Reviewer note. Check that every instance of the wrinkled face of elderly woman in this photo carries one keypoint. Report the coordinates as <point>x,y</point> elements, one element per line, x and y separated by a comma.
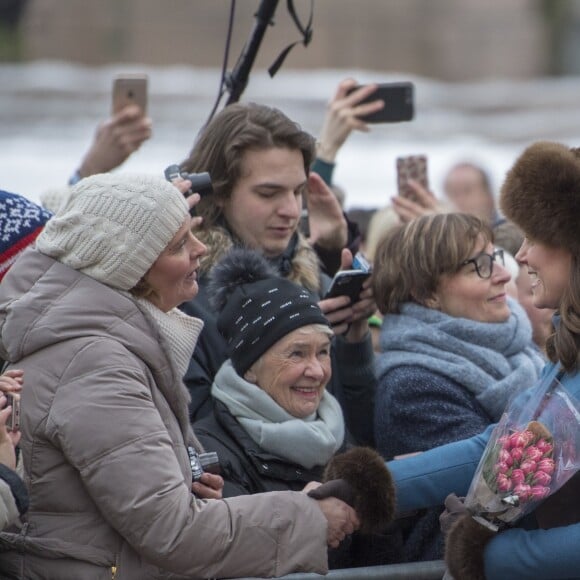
<point>478,290</point>
<point>295,370</point>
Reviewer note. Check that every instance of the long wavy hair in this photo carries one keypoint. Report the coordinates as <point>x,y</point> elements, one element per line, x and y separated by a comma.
<point>563,345</point>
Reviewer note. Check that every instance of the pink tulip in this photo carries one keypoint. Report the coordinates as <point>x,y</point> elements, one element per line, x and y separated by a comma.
<point>501,468</point>
<point>541,478</point>
<point>533,453</point>
<point>505,457</point>
<point>522,490</point>
<point>518,439</point>
<point>528,466</point>
<point>517,454</point>
<point>530,437</point>
<point>503,483</point>
<point>538,492</point>
<point>518,476</point>
<point>544,446</point>
<point>546,465</point>
<point>504,441</point>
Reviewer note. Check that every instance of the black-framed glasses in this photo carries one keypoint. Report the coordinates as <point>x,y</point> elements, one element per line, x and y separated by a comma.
<point>484,263</point>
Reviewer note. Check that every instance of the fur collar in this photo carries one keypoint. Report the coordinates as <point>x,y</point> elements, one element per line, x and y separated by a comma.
<point>305,270</point>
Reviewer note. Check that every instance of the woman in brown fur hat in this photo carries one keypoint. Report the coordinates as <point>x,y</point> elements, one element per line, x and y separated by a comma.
<point>541,195</point>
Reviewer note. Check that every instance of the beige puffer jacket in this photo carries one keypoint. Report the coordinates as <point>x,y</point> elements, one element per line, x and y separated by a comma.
<point>104,423</point>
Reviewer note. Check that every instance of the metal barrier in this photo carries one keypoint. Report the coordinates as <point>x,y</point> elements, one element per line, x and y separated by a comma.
<point>433,570</point>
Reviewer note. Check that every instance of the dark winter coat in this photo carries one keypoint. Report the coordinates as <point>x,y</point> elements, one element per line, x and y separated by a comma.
<point>248,469</point>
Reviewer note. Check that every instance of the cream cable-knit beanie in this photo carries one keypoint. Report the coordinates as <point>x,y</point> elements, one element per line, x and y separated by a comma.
<point>114,226</point>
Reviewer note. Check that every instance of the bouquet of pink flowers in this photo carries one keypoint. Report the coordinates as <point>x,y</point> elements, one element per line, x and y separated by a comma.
<point>531,453</point>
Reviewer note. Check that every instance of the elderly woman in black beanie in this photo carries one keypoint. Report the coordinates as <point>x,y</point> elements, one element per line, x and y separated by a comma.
<point>274,425</point>
<point>541,195</point>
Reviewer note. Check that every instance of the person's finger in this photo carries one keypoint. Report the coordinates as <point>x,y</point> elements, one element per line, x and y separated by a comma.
<point>9,384</point>
<point>4,413</point>
<point>343,88</point>
<point>127,115</point>
<point>368,108</point>
<point>355,97</point>
<point>346,259</point>
<point>424,196</point>
<point>329,305</point>
<point>310,486</point>
<point>212,480</point>
<point>205,491</point>
<point>14,374</point>
<point>193,199</point>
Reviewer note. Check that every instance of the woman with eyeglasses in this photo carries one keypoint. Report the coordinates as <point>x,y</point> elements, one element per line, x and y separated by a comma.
<point>454,346</point>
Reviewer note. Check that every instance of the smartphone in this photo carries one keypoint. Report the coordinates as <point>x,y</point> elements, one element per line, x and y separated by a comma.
<point>412,167</point>
<point>13,423</point>
<point>347,283</point>
<point>130,89</point>
<point>399,103</point>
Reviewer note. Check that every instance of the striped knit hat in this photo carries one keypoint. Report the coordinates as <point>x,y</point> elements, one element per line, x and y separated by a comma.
<point>256,306</point>
<point>21,221</point>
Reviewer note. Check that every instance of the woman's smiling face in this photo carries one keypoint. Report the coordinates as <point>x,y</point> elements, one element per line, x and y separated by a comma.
<point>466,295</point>
<point>295,370</point>
<point>549,269</point>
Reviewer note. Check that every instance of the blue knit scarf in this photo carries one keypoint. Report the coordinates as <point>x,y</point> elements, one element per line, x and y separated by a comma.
<point>491,360</point>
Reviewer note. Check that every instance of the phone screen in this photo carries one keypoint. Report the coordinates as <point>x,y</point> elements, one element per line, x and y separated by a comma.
<point>412,167</point>
<point>129,90</point>
<point>399,103</point>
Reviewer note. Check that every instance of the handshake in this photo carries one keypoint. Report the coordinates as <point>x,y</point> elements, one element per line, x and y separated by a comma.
<point>360,478</point>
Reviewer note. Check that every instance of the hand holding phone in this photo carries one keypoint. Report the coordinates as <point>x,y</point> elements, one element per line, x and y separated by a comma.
<point>347,283</point>
<point>398,99</point>
<point>412,167</point>
<point>13,400</point>
<point>130,89</point>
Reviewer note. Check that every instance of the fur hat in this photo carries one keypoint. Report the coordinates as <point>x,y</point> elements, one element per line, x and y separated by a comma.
<point>360,478</point>
<point>114,226</point>
<point>21,221</point>
<point>256,306</point>
<point>541,194</point>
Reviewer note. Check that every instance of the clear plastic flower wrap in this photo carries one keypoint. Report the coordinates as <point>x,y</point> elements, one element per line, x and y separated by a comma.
<point>532,452</point>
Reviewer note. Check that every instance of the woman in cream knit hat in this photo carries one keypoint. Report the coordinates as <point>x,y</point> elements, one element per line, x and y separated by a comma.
<point>90,317</point>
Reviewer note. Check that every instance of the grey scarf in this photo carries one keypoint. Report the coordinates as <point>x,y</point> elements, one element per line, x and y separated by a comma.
<point>491,360</point>
<point>307,442</point>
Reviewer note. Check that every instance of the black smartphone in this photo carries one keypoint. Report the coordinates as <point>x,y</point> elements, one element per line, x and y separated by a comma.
<point>399,103</point>
<point>347,283</point>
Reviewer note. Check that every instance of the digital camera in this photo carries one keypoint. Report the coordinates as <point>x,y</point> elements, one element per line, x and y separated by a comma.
<point>200,182</point>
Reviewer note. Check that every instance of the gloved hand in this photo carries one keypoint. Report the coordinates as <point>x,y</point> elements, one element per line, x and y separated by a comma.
<point>360,478</point>
<point>465,543</point>
<point>454,507</point>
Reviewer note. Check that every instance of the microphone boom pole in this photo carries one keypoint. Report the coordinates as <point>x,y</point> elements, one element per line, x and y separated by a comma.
<point>237,80</point>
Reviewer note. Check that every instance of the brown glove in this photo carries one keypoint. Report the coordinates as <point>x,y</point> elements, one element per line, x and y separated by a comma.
<point>454,507</point>
<point>464,546</point>
<point>360,478</point>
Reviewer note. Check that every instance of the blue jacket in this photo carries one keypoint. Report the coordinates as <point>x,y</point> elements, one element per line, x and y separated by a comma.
<point>425,480</point>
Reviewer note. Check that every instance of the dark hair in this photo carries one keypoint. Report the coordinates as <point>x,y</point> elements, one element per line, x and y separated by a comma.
<point>564,344</point>
<point>411,258</point>
<point>221,145</point>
